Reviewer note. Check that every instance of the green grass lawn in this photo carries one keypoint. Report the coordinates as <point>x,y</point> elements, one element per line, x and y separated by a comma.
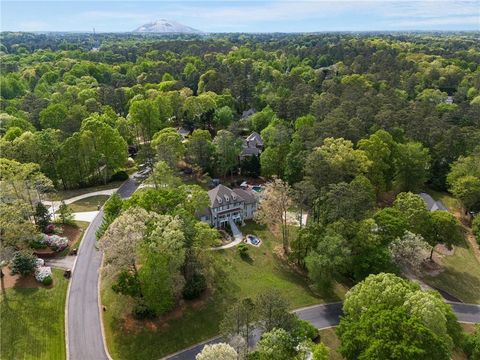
<point>33,321</point>
<point>243,279</point>
<point>461,277</point>
<point>447,199</point>
<point>88,204</point>
<point>67,194</point>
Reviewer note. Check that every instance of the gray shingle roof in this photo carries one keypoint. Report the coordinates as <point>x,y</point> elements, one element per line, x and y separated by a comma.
<point>222,195</point>
<point>431,204</point>
<point>247,195</point>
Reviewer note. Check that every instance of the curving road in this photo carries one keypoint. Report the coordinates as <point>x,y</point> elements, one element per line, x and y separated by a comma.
<point>328,315</point>
<point>85,339</point>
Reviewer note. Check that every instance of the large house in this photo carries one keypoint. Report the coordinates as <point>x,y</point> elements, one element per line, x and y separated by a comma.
<point>227,205</point>
<point>252,146</point>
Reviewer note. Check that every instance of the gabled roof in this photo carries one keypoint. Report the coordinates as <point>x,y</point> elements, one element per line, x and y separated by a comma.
<point>222,195</point>
<point>248,196</point>
<point>431,204</point>
<point>254,136</point>
<point>248,113</point>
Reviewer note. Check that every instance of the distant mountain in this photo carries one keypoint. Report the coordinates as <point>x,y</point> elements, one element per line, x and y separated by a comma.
<point>166,27</point>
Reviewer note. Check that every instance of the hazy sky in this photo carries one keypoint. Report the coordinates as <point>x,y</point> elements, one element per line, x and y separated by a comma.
<point>242,16</point>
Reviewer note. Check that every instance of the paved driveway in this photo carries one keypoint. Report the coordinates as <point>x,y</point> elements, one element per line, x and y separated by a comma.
<point>85,339</point>
<point>237,236</point>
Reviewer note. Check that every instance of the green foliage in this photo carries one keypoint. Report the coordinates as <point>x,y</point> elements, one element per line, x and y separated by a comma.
<point>472,344</point>
<point>243,251</point>
<point>412,166</point>
<point>47,281</point>
<point>276,344</point>
<point>304,330</point>
<point>385,315</point>
<point>194,286</point>
<point>65,213</point>
<point>328,260</point>
<point>127,284</point>
<point>23,263</point>
<point>476,228</point>
<point>389,334</point>
<point>42,216</point>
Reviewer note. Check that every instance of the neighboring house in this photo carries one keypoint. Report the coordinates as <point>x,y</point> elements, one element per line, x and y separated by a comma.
<point>227,204</point>
<point>449,100</point>
<point>183,132</point>
<point>431,204</point>
<point>252,146</point>
<point>248,113</point>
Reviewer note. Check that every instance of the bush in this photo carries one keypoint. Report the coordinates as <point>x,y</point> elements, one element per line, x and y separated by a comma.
<point>194,287</point>
<point>42,272</point>
<point>47,281</point>
<point>243,251</point>
<point>119,176</point>
<point>303,330</point>
<point>476,227</point>
<point>42,216</point>
<point>23,263</point>
<point>142,311</point>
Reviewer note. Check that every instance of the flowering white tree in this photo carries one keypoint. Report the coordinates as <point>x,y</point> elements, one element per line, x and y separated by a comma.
<point>216,352</point>
<point>409,250</point>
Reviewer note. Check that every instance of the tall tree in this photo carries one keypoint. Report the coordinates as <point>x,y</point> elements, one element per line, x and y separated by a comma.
<point>227,150</point>
<point>168,146</point>
<point>273,208</point>
<point>412,166</point>
<point>200,149</point>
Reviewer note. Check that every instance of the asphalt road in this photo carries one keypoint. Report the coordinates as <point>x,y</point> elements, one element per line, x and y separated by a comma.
<point>327,315</point>
<point>85,340</point>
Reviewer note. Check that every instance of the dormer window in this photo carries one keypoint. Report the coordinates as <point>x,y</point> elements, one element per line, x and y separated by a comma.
<point>226,198</point>
<point>219,199</point>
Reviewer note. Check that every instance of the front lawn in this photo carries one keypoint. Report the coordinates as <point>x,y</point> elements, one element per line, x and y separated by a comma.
<point>33,321</point>
<point>461,276</point>
<point>88,204</point>
<point>67,194</point>
<point>200,320</point>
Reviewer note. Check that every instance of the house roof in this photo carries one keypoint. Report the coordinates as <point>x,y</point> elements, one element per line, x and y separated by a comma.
<point>222,195</point>
<point>248,196</point>
<point>248,113</point>
<point>254,136</point>
<point>431,204</point>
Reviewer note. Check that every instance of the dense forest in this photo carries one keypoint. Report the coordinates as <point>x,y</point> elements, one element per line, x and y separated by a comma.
<point>58,90</point>
<point>353,126</point>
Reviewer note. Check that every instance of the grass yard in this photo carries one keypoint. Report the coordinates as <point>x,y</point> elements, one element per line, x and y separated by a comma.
<point>453,204</point>
<point>200,321</point>
<point>461,277</point>
<point>88,204</point>
<point>67,194</point>
<point>33,321</point>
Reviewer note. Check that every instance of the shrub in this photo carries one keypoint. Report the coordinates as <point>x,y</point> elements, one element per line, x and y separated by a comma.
<point>50,229</point>
<point>42,216</point>
<point>65,213</point>
<point>42,272</point>
<point>47,281</point>
<point>476,228</point>
<point>243,251</point>
<point>119,176</point>
<point>23,263</point>
<point>195,286</point>
<point>303,330</point>
<point>142,311</point>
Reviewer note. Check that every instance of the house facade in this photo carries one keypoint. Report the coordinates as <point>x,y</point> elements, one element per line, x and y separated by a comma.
<point>252,146</point>
<point>227,205</point>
